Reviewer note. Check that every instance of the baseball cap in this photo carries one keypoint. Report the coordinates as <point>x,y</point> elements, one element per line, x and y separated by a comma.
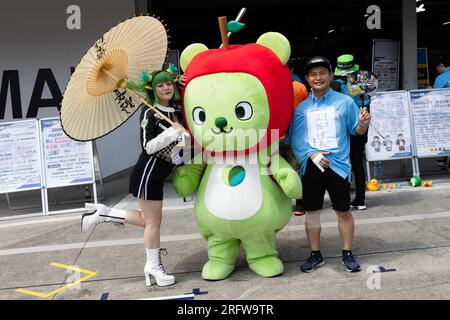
<point>318,61</point>
<point>345,65</point>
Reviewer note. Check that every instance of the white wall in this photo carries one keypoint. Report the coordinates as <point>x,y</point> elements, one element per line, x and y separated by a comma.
<point>34,35</point>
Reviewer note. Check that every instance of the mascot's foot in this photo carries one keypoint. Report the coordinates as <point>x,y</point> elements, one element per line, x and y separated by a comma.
<point>216,270</point>
<point>267,267</point>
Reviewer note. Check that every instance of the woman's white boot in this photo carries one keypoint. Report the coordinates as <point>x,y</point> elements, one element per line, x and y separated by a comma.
<point>101,214</point>
<point>155,268</point>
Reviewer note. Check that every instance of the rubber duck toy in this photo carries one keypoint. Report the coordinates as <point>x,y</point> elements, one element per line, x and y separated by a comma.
<point>427,184</point>
<point>372,185</point>
<point>415,181</point>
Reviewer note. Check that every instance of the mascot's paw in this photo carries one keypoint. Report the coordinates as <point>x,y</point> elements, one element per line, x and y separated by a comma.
<point>267,267</point>
<point>182,182</point>
<point>290,182</point>
<point>216,270</point>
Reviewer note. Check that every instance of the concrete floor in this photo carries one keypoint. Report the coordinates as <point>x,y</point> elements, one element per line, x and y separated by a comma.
<point>405,229</point>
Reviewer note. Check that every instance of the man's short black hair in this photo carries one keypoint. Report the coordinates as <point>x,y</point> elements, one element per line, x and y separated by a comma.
<point>442,60</point>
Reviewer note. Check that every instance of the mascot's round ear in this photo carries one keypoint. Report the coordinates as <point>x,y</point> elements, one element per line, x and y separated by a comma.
<point>190,52</point>
<point>278,43</point>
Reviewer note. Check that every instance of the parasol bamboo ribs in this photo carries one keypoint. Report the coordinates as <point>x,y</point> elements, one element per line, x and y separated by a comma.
<point>141,98</point>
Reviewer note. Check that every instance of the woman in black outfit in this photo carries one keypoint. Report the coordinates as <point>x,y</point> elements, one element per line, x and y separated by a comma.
<point>157,160</point>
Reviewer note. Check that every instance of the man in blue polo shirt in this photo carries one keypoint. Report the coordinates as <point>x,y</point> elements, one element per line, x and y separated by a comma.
<point>319,137</point>
<point>443,80</point>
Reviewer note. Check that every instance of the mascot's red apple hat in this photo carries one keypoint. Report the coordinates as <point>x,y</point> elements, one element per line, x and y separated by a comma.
<point>259,61</point>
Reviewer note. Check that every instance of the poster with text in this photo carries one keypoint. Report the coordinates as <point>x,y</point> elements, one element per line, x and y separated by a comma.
<point>389,134</point>
<point>20,160</point>
<point>431,116</point>
<point>66,161</point>
<point>385,63</point>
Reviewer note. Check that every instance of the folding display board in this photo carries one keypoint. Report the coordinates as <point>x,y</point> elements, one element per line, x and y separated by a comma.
<point>66,162</point>
<point>409,124</point>
<point>431,122</point>
<point>20,158</point>
<point>37,155</point>
<point>389,136</point>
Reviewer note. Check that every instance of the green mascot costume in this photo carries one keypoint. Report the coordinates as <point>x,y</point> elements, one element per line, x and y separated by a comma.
<point>237,102</point>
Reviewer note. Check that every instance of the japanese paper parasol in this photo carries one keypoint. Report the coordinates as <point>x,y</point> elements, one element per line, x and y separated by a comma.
<point>94,102</point>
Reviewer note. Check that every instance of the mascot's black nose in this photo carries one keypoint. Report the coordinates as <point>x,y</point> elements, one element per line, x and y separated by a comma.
<point>221,123</point>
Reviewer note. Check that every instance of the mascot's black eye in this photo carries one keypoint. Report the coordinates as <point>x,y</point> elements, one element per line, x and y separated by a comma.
<point>244,110</point>
<point>199,115</point>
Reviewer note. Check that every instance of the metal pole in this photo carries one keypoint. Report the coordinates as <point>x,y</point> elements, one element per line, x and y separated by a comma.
<point>409,44</point>
<point>44,196</point>
<point>97,171</point>
<point>368,171</point>
<point>238,18</point>
<point>8,200</point>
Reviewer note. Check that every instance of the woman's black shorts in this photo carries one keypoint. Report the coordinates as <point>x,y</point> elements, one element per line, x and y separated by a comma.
<point>148,175</point>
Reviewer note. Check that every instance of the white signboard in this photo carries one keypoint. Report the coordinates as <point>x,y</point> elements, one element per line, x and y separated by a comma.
<point>66,162</point>
<point>322,128</point>
<point>389,134</point>
<point>20,160</point>
<point>431,116</point>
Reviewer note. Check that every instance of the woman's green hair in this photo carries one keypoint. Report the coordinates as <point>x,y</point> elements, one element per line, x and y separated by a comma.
<point>148,83</point>
<point>162,77</point>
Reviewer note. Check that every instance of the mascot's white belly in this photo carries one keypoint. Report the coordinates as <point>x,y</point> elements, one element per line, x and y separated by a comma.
<point>233,190</point>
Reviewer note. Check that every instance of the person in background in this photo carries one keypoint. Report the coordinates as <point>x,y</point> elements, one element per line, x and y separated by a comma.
<point>345,68</point>
<point>291,66</point>
<point>442,81</point>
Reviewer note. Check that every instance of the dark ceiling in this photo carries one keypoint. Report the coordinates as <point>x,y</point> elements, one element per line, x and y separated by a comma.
<point>306,24</point>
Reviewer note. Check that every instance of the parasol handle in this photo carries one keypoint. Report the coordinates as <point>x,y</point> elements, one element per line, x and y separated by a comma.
<point>185,132</point>
<point>142,98</point>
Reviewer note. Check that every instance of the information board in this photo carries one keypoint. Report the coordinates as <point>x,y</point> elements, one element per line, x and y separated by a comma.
<point>431,119</point>
<point>385,63</point>
<point>66,162</point>
<point>20,159</point>
<point>389,134</point>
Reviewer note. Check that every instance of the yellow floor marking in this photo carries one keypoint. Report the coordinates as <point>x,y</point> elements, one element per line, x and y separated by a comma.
<point>90,274</point>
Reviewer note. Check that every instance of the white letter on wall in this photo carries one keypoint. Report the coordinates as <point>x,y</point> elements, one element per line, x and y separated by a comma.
<point>74,20</point>
<point>374,20</point>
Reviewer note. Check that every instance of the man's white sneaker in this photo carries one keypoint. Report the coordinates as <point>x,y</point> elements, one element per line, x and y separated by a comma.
<point>358,206</point>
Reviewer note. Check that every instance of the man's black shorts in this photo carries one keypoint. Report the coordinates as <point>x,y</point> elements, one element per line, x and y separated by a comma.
<point>315,182</point>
